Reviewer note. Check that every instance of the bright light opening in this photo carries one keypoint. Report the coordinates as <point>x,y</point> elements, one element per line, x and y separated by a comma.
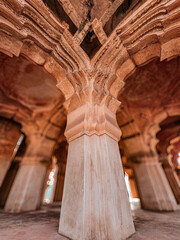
<point>134,202</point>
<point>128,185</point>
<point>19,143</point>
<point>50,182</point>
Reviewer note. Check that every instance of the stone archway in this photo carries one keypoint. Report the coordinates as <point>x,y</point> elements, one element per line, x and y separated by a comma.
<point>91,88</point>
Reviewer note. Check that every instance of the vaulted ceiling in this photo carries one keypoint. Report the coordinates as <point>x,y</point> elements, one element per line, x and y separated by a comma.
<point>103,44</point>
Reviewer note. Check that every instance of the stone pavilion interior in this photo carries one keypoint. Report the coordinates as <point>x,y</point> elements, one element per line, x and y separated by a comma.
<point>89,119</point>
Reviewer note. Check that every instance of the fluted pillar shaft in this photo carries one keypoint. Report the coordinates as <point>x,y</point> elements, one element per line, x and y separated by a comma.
<point>154,190</point>
<point>95,201</point>
<point>27,189</point>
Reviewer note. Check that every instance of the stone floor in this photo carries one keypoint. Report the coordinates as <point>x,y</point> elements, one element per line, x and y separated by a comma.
<point>43,225</point>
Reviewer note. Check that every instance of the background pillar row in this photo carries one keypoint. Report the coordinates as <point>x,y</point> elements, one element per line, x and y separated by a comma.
<point>154,190</point>
<point>27,189</point>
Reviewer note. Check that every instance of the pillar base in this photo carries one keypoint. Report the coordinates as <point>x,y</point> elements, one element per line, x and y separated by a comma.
<point>95,201</point>
<point>154,190</point>
<point>26,192</point>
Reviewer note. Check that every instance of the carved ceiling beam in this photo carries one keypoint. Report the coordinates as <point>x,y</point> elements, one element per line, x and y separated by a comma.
<point>81,33</point>
<point>115,61</point>
<point>34,23</point>
<point>98,25</point>
<point>110,11</point>
<point>28,33</point>
<point>98,29</point>
<point>71,12</point>
<point>147,33</point>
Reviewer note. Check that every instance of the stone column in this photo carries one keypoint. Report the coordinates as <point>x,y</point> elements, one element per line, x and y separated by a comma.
<point>7,183</point>
<point>173,179</point>
<point>60,182</point>
<point>9,135</point>
<point>26,192</point>
<point>61,155</point>
<point>95,202</point>
<point>154,190</point>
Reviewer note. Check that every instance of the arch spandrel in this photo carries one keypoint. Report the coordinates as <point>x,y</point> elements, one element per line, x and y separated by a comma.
<point>37,34</point>
<point>143,35</point>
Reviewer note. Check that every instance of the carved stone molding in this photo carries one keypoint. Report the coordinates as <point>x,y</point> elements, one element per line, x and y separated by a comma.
<point>91,119</point>
<point>151,30</point>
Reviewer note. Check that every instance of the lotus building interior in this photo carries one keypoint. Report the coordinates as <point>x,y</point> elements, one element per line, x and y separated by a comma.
<point>89,119</point>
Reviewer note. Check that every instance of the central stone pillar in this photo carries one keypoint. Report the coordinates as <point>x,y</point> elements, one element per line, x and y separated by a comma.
<point>27,189</point>
<point>154,190</point>
<point>95,203</point>
<point>9,135</point>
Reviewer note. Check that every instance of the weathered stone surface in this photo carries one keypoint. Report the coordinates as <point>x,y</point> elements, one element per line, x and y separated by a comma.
<point>42,224</point>
<point>95,201</point>
<point>26,192</point>
<point>91,51</point>
<point>154,190</point>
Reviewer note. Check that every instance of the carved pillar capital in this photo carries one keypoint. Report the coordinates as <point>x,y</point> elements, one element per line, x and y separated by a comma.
<point>39,150</point>
<point>143,157</point>
<point>90,119</point>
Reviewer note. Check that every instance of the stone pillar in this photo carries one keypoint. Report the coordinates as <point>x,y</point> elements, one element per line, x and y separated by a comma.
<point>27,190</point>
<point>61,155</point>
<point>95,202</point>
<point>173,179</point>
<point>154,190</point>
<point>60,182</point>
<point>7,183</point>
<point>9,135</point>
